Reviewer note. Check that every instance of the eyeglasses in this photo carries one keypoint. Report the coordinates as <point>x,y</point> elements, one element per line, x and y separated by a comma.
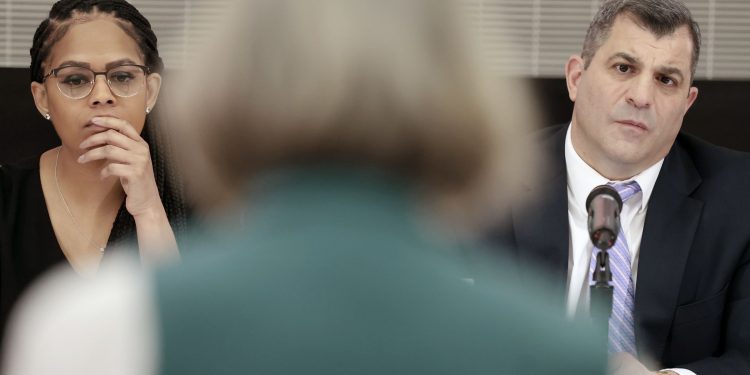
<point>77,82</point>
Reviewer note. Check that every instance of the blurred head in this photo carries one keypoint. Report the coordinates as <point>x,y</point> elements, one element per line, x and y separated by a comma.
<point>81,38</point>
<point>393,84</point>
<point>632,85</point>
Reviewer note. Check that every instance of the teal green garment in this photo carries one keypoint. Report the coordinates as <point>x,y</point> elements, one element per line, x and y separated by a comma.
<point>333,272</point>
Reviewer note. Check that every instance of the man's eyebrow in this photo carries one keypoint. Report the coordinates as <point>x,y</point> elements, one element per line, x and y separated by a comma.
<point>629,58</point>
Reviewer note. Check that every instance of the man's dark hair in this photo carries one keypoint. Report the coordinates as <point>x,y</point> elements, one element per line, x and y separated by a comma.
<point>660,17</point>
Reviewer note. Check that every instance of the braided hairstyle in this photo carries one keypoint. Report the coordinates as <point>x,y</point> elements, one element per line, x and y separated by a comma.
<point>51,30</point>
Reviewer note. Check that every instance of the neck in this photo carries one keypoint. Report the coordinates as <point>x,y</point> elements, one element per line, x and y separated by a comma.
<point>613,170</point>
<point>612,173</point>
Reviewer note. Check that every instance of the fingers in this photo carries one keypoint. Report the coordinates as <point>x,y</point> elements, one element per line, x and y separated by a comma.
<point>114,154</point>
<point>123,171</point>
<point>120,144</point>
<point>109,137</point>
<point>125,156</point>
<point>117,124</point>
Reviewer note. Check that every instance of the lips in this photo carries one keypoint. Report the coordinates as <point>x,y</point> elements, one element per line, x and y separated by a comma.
<point>633,123</point>
<point>96,128</point>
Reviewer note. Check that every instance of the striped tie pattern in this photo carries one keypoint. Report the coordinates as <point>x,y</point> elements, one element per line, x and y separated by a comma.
<point>621,323</point>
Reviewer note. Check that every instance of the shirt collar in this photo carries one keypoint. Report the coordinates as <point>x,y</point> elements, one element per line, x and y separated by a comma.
<point>582,178</point>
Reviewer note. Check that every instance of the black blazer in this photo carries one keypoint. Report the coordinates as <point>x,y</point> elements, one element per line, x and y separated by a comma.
<point>692,302</point>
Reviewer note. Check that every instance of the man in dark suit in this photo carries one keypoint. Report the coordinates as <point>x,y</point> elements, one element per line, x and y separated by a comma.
<point>683,303</point>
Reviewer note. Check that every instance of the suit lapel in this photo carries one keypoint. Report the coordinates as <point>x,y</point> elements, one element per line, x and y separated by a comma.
<point>671,222</point>
<point>540,223</point>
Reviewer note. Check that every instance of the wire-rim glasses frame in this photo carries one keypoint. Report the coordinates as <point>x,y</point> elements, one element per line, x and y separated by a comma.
<point>114,88</point>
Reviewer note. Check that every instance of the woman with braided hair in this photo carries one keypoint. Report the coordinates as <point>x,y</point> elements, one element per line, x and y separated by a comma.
<point>107,182</point>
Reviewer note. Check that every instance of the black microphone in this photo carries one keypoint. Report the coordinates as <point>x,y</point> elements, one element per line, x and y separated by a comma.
<point>603,205</point>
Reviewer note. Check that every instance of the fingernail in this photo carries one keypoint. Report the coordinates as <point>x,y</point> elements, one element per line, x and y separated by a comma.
<point>81,158</point>
<point>82,145</point>
<point>97,120</point>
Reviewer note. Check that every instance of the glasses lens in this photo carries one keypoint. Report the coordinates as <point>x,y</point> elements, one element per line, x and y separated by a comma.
<point>75,82</point>
<point>125,80</point>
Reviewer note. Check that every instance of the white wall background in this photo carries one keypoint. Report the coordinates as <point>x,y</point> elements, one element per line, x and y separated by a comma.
<point>543,32</point>
<point>177,24</point>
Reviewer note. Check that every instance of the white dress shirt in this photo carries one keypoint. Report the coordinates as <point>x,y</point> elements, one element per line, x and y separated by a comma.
<point>581,180</point>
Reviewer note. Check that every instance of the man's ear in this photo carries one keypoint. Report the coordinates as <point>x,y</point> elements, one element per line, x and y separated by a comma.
<point>573,71</point>
<point>39,92</point>
<point>153,85</point>
<point>692,95</point>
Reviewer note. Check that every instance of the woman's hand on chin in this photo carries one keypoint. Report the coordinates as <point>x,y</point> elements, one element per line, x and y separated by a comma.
<point>127,158</point>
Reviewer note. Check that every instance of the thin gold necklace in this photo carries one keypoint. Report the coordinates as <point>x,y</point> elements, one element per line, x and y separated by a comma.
<point>67,208</point>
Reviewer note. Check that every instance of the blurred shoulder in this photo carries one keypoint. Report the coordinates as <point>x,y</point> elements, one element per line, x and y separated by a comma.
<point>87,314</point>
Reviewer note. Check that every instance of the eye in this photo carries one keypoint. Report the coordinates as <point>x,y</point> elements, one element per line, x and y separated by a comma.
<point>121,77</point>
<point>75,80</point>
<point>667,80</point>
<point>623,68</point>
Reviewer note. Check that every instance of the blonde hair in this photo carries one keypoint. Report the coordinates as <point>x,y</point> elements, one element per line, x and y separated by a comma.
<point>395,84</point>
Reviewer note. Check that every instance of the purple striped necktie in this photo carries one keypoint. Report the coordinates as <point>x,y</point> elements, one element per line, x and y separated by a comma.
<point>621,323</point>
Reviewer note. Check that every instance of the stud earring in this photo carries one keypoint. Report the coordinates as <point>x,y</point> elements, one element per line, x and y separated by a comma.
<point>148,110</point>
<point>47,116</point>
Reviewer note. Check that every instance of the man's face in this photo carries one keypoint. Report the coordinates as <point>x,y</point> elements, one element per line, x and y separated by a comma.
<point>630,101</point>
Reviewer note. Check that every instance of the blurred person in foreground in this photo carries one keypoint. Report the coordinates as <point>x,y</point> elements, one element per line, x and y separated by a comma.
<point>682,267</point>
<point>361,140</point>
<point>95,75</point>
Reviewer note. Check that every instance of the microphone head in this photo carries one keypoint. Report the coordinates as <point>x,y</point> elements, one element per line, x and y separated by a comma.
<point>604,190</point>
<point>603,206</point>
<point>603,238</point>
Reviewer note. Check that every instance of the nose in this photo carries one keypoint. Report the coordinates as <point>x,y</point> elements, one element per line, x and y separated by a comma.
<point>101,94</point>
<point>641,92</point>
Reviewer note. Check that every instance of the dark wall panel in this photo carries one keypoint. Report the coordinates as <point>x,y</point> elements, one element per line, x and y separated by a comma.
<point>23,131</point>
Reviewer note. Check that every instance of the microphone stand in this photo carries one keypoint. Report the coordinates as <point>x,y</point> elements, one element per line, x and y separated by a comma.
<point>601,291</point>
